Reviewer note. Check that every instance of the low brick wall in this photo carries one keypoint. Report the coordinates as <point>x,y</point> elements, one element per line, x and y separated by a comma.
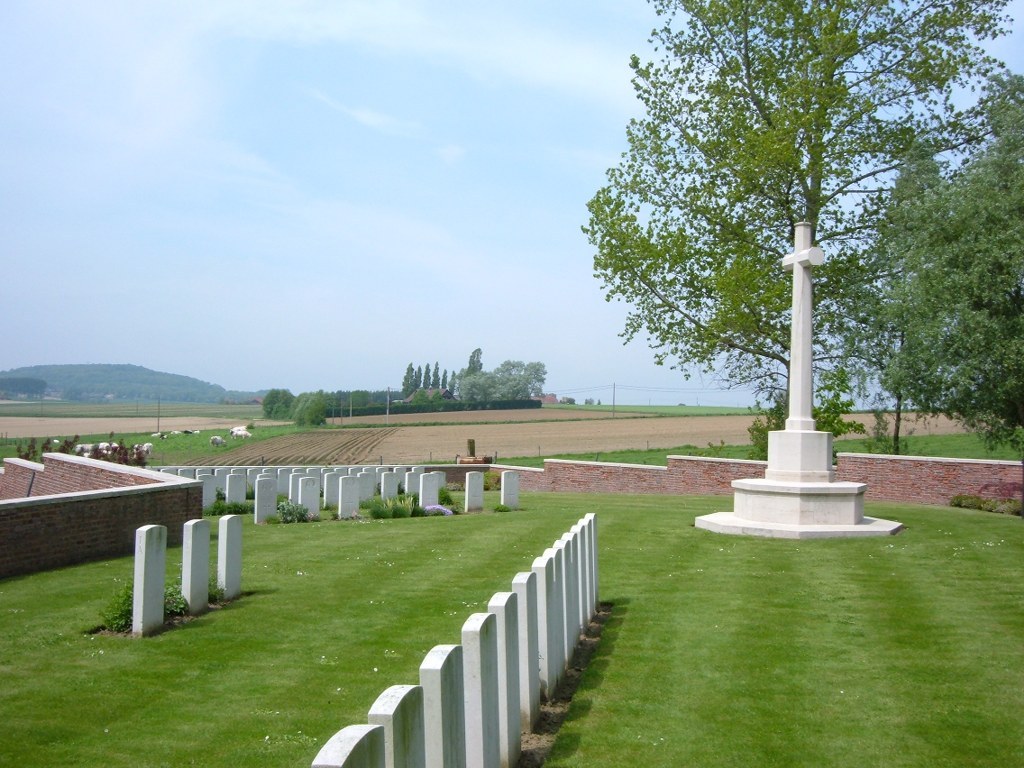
<point>910,479</point>
<point>921,480</point>
<point>73,510</point>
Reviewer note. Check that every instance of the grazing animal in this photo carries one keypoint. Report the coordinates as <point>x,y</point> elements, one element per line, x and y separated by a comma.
<point>217,440</point>
<point>240,432</point>
<point>83,449</point>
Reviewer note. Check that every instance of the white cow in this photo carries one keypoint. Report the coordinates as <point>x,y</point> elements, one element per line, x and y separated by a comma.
<point>217,440</point>
<point>240,432</point>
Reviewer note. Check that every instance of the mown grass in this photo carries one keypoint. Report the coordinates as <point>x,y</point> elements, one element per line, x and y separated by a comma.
<point>720,651</point>
<point>659,410</point>
<point>961,446</point>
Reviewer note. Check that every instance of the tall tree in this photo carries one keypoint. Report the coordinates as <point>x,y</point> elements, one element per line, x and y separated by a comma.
<point>475,364</point>
<point>409,384</point>
<point>964,293</point>
<point>418,378</point>
<point>763,114</point>
<point>435,379</point>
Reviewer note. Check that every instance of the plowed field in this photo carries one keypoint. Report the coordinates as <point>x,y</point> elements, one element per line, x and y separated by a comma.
<point>442,443</point>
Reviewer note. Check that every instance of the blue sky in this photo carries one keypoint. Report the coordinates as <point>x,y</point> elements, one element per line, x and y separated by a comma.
<point>312,195</point>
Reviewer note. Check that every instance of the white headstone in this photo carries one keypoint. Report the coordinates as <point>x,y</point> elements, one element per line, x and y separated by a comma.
<point>229,555</point>
<point>389,485</point>
<point>148,589</point>
<point>444,707</point>
<point>235,487</point>
<point>355,746</point>
<point>474,491</point>
<point>399,709</point>
<point>266,499</point>
<point>525,586</point>
<point>348,497</point>
<point>504,607</point>
<point>195,565</point>
<point>480,678</point>
<point>510,488</point>
<point>430,483</point>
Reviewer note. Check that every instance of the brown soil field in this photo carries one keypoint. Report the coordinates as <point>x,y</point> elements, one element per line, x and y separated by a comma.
<point>442,443</point>
<point>497,434</point>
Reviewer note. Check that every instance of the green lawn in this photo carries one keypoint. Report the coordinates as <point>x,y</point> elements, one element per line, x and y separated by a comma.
<point>720,651</point>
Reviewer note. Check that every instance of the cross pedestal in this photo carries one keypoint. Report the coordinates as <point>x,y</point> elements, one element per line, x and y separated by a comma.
<point>798,497</point>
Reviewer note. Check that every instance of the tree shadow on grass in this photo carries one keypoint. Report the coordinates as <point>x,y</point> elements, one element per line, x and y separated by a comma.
<point>585,672</point>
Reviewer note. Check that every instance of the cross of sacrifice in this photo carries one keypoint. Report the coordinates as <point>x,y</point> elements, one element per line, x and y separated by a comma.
<point>799,262</point>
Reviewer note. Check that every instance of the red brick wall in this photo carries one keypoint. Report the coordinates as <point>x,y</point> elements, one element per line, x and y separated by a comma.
<point>929,481</point>
<point>51,531</point>
<point>914,480</point>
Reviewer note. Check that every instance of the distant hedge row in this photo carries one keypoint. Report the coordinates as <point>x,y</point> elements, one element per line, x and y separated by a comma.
<point>442,406</point>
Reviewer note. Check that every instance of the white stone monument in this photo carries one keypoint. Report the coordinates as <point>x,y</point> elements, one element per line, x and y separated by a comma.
<point>799,497</point>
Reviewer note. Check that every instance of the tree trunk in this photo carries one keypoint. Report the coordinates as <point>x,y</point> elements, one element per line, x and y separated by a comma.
<point>896,425</point>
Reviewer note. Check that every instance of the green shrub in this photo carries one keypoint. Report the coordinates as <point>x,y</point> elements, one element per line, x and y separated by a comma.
<point>376,508</point>
<point>492,481</point>
<point>444,497</point>
<point>290,512</point>
<point>999,506</point>
<point>117,616</point>
<point>502,508</point>
<point>221,507</point>
<point>174,600</point>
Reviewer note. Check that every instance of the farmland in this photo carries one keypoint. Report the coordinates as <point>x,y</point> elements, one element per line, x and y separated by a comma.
<point>412,438</point>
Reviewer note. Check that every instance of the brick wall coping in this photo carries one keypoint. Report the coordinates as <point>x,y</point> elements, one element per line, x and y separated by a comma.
<point>720,460</point>
<point>142,472</point>
<point>153,478</point>
<point>601,464</point>
<point>132,490</point>
<point>931,459</point>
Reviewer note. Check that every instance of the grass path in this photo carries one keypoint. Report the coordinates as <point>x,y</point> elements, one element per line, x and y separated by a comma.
<point>720,651</point>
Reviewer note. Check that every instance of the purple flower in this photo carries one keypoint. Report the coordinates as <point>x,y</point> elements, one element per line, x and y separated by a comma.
<point>437,509</point>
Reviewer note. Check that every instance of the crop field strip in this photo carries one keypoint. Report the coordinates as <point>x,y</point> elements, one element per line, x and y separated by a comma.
<point>350,446</point>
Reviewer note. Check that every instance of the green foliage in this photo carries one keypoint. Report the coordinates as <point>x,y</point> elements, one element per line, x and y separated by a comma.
<point>964,288</point>
<point>758,116</point>
<point>833,403</point>
<point>222,507</point>
<point>310,408</point>
<point>768,419</point>
<point>395,507</point>
<point>277,404</point>
<point>117,615</point>
<point>174,600</point>
<point>999,506</point>
<point>11,386</point>
<point>100,382</point>
<point>290,512</point>
<point>502,508</point>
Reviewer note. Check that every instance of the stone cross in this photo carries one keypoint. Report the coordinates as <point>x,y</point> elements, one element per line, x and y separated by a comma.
<point>804,256</point>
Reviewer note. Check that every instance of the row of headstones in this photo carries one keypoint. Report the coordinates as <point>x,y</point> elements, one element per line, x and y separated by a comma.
<point>151,562</point>
<point>341,487</point>
<point>474,700</point>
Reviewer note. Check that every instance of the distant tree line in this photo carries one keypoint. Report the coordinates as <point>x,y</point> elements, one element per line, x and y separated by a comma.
<point>513,384</point>
<point>21,386</point>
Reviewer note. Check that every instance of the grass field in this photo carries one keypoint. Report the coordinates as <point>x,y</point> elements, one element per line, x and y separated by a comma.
<point>720,651</point>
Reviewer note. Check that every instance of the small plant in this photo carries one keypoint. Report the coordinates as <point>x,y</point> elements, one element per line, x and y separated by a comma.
<point>444,496</point>
<point>221,507</point>
<point>502,508</point>
<point>377,508</point>
<point>174,601</point>
<point>290,512</point>
<point>436,510</point>
<point>117,616</point>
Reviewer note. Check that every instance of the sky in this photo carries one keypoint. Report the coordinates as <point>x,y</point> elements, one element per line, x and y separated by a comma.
<point>314,194</point>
